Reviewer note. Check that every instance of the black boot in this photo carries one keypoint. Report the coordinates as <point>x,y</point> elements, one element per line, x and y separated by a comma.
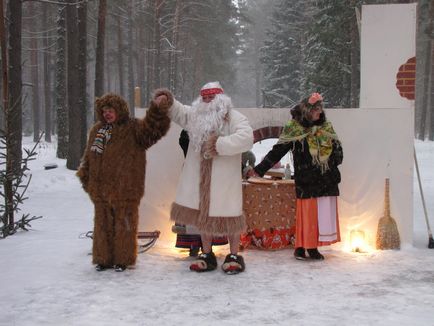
<point>299,253</point>
<point>315,254</point>
<point>100,268</point>
<point>120,268</point>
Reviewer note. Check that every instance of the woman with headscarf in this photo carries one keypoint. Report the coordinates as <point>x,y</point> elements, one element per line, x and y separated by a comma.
<point>317,152</point>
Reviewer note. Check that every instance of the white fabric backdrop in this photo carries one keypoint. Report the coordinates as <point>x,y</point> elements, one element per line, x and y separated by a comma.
<point>388,35</point>
<point>378,143</point>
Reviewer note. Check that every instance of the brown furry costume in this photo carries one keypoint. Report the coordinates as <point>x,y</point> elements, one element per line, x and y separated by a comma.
<point>115,178</point>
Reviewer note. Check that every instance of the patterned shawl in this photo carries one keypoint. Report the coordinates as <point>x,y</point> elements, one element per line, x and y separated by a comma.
<point>319,139</point>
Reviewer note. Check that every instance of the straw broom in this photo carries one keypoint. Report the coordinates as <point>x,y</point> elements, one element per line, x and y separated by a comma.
<point>387,231</point>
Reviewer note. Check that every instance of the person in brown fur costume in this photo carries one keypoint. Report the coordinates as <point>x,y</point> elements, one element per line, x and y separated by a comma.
<point>112,172</point>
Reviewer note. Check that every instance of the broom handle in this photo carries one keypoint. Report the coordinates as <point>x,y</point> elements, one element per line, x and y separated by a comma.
<point>421,193</point>
<point>387,199</point>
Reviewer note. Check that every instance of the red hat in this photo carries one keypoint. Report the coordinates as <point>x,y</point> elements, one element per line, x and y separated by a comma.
<point>211,88</point>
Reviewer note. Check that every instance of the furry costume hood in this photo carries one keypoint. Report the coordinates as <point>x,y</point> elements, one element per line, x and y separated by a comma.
<point>116,102</point>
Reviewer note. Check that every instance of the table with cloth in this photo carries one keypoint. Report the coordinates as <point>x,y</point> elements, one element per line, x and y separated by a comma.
<point>269,206</point>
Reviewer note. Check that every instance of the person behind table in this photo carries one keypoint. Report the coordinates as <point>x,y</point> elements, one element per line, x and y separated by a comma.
<point>248,160</point>
<point>112,172</point>
<point>317,153</point>
<point>209,193</point>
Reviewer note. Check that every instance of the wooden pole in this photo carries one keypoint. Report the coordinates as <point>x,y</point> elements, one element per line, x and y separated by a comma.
<point>137,101</point>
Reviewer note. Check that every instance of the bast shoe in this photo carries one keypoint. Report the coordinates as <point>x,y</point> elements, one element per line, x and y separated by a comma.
<point>233,264</point>
<point>204,263</point>
<point>315,254</point>
<point>300,253</point>
<point>120,268</point>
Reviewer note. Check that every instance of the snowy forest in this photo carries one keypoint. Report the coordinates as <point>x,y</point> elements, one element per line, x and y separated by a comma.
<point>59,55</point>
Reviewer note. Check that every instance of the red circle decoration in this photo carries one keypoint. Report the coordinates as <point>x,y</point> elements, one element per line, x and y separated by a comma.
<point>406,78</point>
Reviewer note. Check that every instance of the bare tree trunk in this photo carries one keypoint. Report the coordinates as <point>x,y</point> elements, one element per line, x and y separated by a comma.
<point>7,182</point>
<point>173,54</point>
<point>120,57</point>
<point>61,108</point>
<point>82,77</point>
<point>35,85</point>
<point>109,80</point>
<point>430,102</point>
<point>47,79</point>
<point>423,54</point>
<point>99,57</point>
<point>15,83</point>
<point>141,55</point>
<point>149,66</point>
<point>258,71</point>
<point>157,44</point>
<point>130,58</point>
<point>355,61</point>
<point>4,58</point>
<point>73,80</point>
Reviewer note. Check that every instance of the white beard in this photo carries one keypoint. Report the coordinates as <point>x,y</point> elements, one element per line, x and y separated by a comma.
<point>207,118</point>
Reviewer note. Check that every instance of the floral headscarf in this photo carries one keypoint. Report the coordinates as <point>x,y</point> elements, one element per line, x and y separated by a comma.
<point>319,137</point>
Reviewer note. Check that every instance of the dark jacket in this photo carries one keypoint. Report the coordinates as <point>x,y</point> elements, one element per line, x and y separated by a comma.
<point>310,182</point>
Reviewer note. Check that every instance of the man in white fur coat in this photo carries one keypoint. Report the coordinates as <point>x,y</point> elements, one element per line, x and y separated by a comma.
<point>209,194</point>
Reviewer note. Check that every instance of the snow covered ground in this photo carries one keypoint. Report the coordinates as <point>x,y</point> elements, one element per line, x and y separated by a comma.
<point>47,277</point>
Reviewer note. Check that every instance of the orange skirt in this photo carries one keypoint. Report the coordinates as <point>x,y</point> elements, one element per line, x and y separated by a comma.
<point>306,230</point>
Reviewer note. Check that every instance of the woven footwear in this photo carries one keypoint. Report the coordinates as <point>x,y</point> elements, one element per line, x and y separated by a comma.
<point>204,263</point>
<point>315,254</point>
<point>233,264</point>
<point>299,253</point>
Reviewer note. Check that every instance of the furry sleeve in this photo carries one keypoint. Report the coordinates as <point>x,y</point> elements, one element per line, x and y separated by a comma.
<point>83,169</point>
<point>154,125</point>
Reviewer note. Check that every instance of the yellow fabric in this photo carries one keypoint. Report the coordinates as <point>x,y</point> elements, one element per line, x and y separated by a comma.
<point>319,139</point>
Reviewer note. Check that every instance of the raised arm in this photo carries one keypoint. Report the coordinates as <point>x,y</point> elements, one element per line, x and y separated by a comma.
<point>178,112</point>
<point>155,124</point>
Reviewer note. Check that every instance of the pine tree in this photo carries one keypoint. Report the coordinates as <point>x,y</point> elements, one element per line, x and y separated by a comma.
<point>252,21</point>
<point>212,43</point>
<point>282,54</point>
<point>328,52</point>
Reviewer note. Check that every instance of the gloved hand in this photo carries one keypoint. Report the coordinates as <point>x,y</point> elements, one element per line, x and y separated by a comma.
<point>160,93</point>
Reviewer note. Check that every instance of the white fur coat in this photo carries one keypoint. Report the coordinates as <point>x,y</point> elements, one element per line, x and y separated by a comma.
<point>235,137</point>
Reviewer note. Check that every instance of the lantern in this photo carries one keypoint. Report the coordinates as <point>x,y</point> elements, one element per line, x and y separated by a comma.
<point>357,240</point>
